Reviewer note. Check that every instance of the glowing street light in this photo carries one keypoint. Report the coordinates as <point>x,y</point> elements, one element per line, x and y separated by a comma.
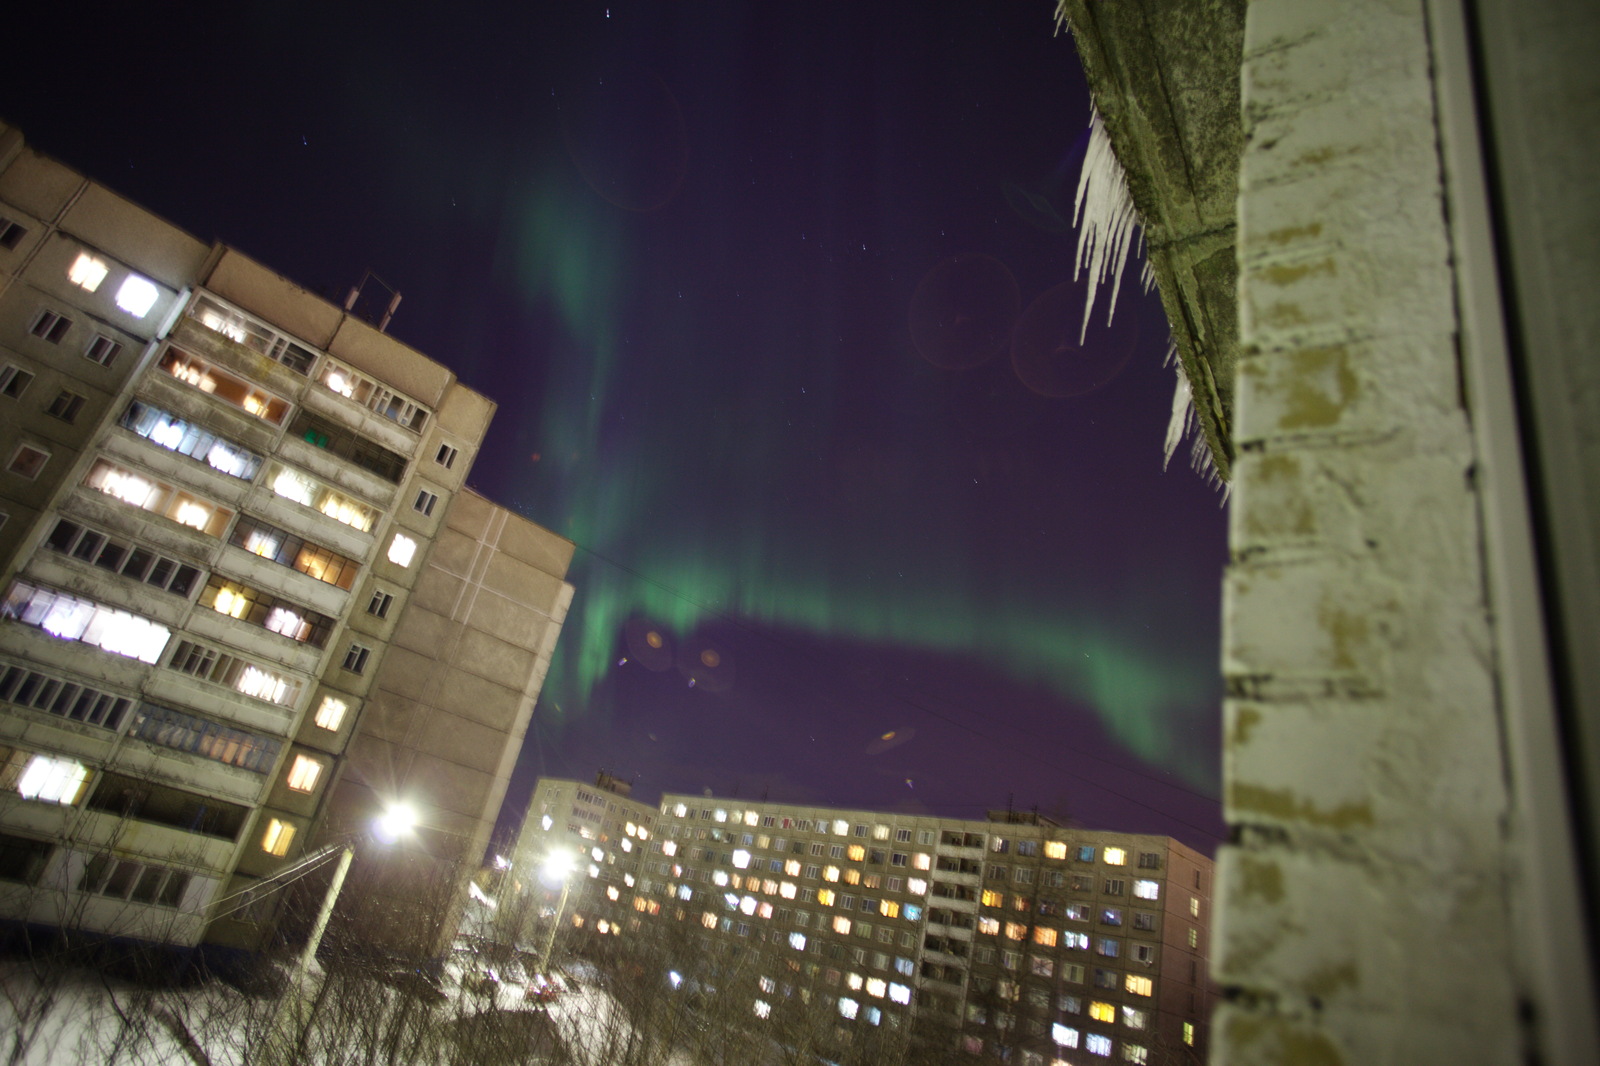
<point>557,866</point>
<point>396,821</point>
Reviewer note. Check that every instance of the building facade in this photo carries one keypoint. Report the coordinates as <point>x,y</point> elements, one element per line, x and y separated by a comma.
<point>232,517</point>
<point>1013,938</point>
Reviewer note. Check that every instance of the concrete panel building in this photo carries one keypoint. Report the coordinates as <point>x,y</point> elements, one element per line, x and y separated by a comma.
<point>1009,939</point>
<point>233,517</point>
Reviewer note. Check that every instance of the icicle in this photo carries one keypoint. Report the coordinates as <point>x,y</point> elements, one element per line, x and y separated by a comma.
<point>1104,210</point>
<point>1182,408</point>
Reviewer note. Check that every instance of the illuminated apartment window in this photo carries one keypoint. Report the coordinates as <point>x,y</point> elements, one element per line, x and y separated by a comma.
<point>278,837</point>
<point>401,550</point>
<point>1064,1035</point>
<point>374,397</point>
<point>14,381</point>
<point>1194,938</point>
<point>355,658</point>
<point>425,501</point>
<point>266,610</point>
<point>71,618</point>
<point>224,386</point>
<point>1096,1044</point>
<point>50,326</point>
<point>857,853</point>
<point>28,461</point>
<point>167,430</point>
<point>1147,889</point>
<point>241,675</point>
<point>306,491</point>
<point>1188,1033</point>
<point>137,296</point>
<point>186,732</point>
<point>1138,985</point>
<point>991,898</point>
<point>87,272</point>
<point>285,548</point>
<point>445,456</point>
<point>1194,907</point>
<point>42,778</point>
<point>102,350</point>
<point>1134,1018</point>
<point>1116,856</point>
<point>1102,1012</point>
<point>1043,934</point>
<point>1055,849</point>
<point>303,774</point>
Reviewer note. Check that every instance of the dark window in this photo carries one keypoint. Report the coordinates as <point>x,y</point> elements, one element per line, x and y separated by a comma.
<point>14,381</point>
<point>11,233</point>
<point>28,461</point>
<point>102,350</point>
<point>51,326</point>
<point>22,859</point>
<point>151,802</point>
<point>391,466</point>
<point>68,699</point>
<point>355,658</point>
<point>445,456</point>
<point>424,502</point>
<point>127,559</point>
<point>381,601</point>
<point>66,406</point>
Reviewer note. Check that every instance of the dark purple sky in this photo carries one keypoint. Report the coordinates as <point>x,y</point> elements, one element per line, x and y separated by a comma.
<point>776,304</point>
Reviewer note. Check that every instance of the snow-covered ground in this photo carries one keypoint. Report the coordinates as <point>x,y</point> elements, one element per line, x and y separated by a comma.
<point>80,1017</point>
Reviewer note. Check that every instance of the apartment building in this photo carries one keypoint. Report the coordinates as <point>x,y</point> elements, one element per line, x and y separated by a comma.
<point>604,830</point>
<point>1020,939</point>
<point>233,522</point>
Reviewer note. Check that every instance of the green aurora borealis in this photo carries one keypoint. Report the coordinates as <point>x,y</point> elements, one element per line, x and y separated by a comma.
<point>713,480</point>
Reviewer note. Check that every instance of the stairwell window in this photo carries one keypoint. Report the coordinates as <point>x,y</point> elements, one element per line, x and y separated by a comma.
<point>303,774</point>
<point>331,712</point>
<point>87,272</point>
<point>277,838</point>
<point>137,296</point>
<point>402,549</point>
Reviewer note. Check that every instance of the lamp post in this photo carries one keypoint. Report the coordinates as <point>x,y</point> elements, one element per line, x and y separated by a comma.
<point>557,865</point>
<point>396,821</point>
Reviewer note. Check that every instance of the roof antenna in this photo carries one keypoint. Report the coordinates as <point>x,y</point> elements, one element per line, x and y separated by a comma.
<point>394,301</point>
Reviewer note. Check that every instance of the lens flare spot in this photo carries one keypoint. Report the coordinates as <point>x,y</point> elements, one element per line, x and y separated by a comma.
<point>962,311</point>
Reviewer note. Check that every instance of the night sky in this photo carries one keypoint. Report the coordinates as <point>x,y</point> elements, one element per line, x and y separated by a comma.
<point>776,302</point>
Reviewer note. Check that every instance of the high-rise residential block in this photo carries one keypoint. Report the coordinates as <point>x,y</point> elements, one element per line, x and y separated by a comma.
<point>248,599</point>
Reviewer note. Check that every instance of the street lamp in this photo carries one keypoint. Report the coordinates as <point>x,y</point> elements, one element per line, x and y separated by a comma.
<point>396,821</point>
<point>557,866</point>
